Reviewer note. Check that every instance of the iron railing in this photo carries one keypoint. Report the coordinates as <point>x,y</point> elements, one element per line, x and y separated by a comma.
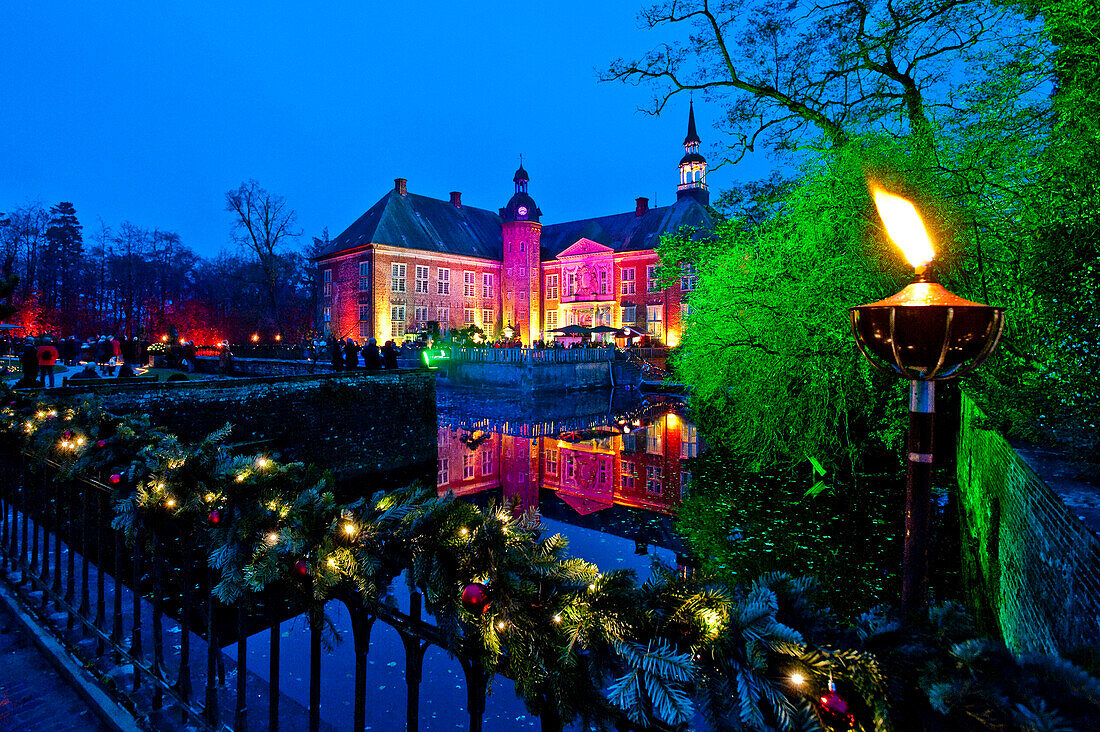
<point>117,599</point>
<point>533,355</point>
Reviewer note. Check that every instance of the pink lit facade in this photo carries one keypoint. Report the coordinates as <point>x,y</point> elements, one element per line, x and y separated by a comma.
<point>412,263</point>
<point>643,469</point>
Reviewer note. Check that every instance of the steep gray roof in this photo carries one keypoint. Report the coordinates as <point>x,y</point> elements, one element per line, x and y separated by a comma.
<point>627,232</point>
<point>428,224</point>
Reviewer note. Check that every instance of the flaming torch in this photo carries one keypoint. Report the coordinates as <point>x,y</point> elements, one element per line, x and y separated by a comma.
<point>925,334</point>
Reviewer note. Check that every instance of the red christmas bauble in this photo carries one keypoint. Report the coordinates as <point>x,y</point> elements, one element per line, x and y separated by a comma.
<point>101,443</point>
<point>67,434</point>
<point>301,568</point>
<point>475,598</point>
<point>116,479</point>
<point>834,710</point>
<point>215,517</point>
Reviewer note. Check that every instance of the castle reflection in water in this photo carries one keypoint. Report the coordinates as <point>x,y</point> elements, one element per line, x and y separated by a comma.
<point>620,468</point>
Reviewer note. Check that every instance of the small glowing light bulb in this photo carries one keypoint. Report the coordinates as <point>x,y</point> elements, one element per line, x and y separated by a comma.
<point>272,538</point>
<point>592,586</point>
<point>209,497</point>
<point>331,562</point>
<point>262,462</point>
<point>240,478</point>
<point>798,679</point>
<point>501,625</point>
<point>349,528</point>
<point>557,618</point>
<point>171,503</point>
<point>464,531</point>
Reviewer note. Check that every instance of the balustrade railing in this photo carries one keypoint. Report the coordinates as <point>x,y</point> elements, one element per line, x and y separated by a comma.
<point>533,355</point>
<point>57,547</point>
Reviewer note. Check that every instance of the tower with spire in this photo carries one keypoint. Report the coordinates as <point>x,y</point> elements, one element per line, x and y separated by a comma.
<point>693,166</point>
<point>521,280</point>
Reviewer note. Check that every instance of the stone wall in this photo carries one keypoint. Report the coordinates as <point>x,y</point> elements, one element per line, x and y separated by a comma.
<point>541,376</point>
<point>1030,547</point>
<point>379,427</point>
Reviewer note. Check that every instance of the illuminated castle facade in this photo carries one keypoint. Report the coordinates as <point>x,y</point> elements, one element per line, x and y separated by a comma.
<point>411,261</point>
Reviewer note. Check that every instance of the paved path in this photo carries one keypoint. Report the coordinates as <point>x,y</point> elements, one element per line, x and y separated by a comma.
<point>33,696</point>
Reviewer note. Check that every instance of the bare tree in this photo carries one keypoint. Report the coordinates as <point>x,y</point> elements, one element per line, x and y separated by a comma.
<point>22,237</point>
<point>806,74</point>
<point>262,225</point>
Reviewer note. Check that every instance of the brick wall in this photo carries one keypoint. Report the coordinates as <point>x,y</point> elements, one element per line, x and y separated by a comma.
<point>1033,564</point>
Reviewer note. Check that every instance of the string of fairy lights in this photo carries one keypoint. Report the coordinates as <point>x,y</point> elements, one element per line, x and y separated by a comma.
<point>486,574</point>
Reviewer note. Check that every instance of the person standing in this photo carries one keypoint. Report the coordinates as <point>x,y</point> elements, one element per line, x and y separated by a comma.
<point>336,354</point>
<point>351,355</point>
<point>371,358</point>
<point>28,359</point>
<point>389,354</point>
<point>69,350</point>
<point>103,354</point>
<point>47,359</point>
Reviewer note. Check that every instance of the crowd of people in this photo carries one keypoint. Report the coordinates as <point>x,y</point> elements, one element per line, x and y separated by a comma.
<point>100,356</point>
<point>347,355</point>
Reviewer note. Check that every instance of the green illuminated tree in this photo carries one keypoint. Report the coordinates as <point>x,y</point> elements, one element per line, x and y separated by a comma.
<point>949,103</point>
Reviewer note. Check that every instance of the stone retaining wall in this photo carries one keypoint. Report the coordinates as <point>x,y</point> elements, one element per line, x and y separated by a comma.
<point>1031,555</point>
<point>378,427</point>
<point>531,376</point>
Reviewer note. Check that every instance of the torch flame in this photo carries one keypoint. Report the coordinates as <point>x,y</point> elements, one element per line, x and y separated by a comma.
<point>905,227</point>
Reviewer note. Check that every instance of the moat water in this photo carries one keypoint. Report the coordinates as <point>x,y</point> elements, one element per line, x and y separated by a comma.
<point>605,469</point>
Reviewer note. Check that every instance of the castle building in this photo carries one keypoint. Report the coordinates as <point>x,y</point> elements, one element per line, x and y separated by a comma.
<point>411,261</point>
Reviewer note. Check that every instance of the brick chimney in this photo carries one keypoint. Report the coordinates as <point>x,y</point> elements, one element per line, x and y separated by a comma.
<point>456,199</point>
<point>399,186</point>
<point>641,206</point>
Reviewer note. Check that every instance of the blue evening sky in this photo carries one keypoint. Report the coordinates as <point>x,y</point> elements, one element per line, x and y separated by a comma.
<point>150,112</point>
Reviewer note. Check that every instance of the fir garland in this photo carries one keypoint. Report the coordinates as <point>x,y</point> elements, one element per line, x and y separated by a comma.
<point>577,641</point>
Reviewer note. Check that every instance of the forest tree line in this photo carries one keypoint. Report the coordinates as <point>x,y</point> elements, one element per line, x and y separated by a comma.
<point>129,280</point>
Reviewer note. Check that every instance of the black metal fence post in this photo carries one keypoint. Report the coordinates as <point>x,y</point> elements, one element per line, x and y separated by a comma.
<point>85,596</point>
<point>274,662</point>
<point>116,598</point>
<point>136,649</point>
<point>183,682</point>
<point>210,707</point>
<point>57,522</point>
<point>102,506</point>
<point>316,620</point>
<point>156,561</point>
<point>70,536</point>
<point>240,716</point>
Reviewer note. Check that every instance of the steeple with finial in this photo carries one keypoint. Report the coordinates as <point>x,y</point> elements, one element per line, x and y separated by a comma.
<point>522,207</point>
<point>693,166</point>
<point>520,274</point>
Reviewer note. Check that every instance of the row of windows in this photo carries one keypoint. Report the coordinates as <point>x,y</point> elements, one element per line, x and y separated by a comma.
<point>654,314</point>
<point>627,282</point>
<point>688,448</point>
<point>422,281</point>
<point>398,272</point>
<point>469,466</point>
